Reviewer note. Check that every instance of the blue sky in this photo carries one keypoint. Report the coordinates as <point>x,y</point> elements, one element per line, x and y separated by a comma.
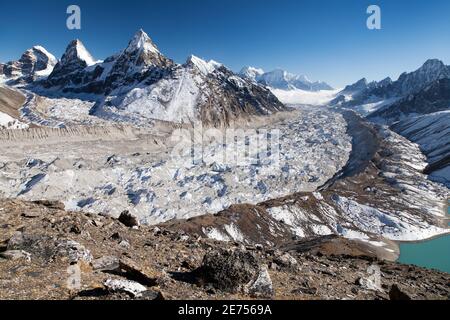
<point>326,40</point>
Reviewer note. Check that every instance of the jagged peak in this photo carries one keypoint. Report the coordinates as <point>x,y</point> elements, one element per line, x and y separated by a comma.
<point>77,51</point>
<point>433,65</point>
<point>44,51</point>
<point>141,41</point>
<point>205,67</point>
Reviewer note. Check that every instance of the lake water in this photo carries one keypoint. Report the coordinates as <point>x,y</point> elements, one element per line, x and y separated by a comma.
<point>434,253</point>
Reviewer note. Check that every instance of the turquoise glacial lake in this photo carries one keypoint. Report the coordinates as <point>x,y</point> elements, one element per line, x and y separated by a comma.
<point>432,254</point>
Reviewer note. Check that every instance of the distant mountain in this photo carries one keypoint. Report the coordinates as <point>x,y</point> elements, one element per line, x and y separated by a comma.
<point>280,79</point>
<point>434,97</point>
<point>251,73</point>
<point>432,133</point>
<point>377,97</point>
<point>140,84</point>
<point>34,63</point>
<point>416,106</point>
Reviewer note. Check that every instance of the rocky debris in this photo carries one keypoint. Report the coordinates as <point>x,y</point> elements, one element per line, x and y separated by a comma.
<point>15,255</point>
<point>50,204</point>
<point>39,246</point>
<point>285,260</point>
<point>235,271</point>
<point>48,248</point>
<point>262,287</point>
<point>128,219</point>
<point>145,276</point>
<point>133,288</point>
<point>106,263</point>
<point>398,294</point>
<point>160,265</point>
<point>73,251</point>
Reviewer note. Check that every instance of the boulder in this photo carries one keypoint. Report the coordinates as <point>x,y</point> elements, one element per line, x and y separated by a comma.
<point>127,219</point>
<point>132,288</point>
<point>397,294</point>
<point>106,263</point>
<point>286,261</point>
<point>235,271</point>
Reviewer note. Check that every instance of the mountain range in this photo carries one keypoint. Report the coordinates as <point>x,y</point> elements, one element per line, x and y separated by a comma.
<point>416,106</point>
<point>417,92</point>
<point>280,79</point>
<point>139,84</point>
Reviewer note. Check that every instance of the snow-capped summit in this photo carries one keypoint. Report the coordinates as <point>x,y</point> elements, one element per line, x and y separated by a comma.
<point>139,85</point>
<point>74,60</point>
<point>281,79</point>
<point>35,62</point>
<point>77,52</point>
<point>205,67</point>
<point>141,41</point>
<point>140,54</point>
<point>251,73</point>
<point>356,87</point>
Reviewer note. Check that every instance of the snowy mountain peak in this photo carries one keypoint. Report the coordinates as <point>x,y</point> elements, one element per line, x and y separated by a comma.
<point>281,79</point>
<point>51,58</point>
<point>35,62</point>
<point>251,73</point>
<point>76,51</point>
<point>141,42</point>
<point>205,67</point>
<point>433,67</point>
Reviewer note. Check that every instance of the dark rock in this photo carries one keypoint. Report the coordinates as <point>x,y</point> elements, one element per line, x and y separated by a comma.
<point>235,271</point>
<point>151,295</point>
<point>132,271</point>
<point>127,219</point>
<point>51,204</point>
<point>397,294</point>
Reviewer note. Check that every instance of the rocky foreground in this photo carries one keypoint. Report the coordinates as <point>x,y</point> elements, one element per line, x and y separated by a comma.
<point>47,253</point>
